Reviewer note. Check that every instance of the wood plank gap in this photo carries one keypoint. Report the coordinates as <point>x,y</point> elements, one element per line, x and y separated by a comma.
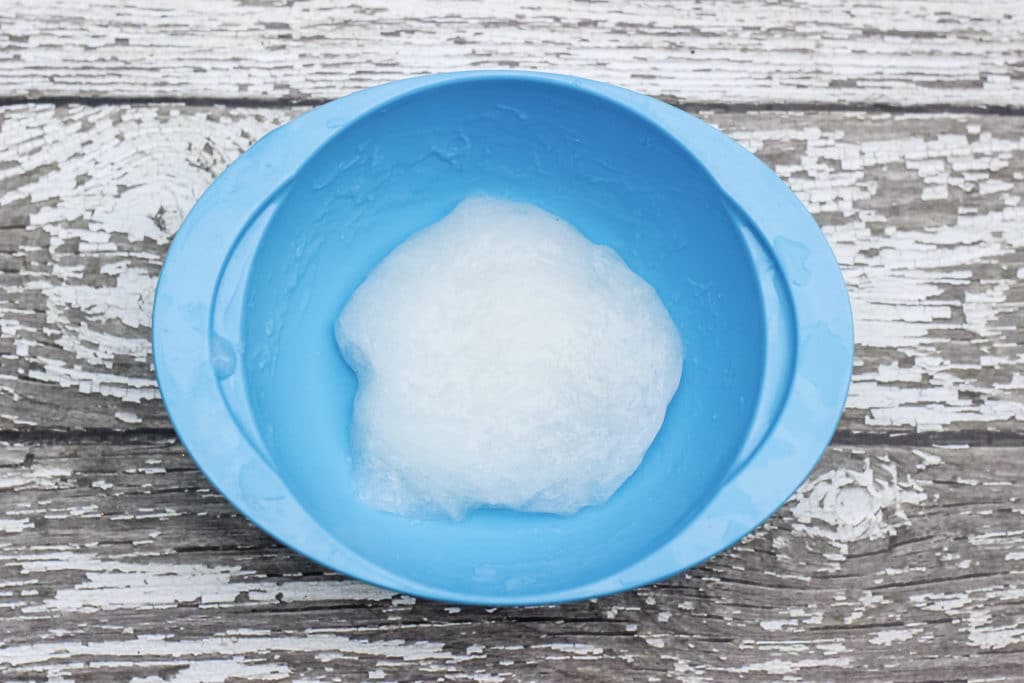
<point>843,438</point>
<point>689,105</point>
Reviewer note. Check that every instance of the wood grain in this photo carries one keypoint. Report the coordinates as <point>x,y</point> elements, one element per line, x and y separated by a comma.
<point>924,213</point>
<point>809,52</point>
<point>890,563</point>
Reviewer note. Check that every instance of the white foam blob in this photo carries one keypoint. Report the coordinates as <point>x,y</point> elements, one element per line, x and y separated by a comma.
<point>504,360</point>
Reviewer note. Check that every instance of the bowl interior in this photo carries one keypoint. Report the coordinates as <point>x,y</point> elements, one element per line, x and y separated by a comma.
<point>609,171</point>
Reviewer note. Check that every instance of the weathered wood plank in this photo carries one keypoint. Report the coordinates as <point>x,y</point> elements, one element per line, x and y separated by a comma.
<point>796,51</point>
<point>898,564</point>
<point>924,212</point>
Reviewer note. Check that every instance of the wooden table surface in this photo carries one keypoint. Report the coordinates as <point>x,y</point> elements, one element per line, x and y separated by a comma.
<point>900,124</point>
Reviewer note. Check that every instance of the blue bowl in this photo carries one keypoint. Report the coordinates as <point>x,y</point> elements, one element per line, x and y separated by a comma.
<point>261,397</point>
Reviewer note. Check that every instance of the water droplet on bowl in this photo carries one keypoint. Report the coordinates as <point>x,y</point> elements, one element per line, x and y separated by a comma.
<point>222,357</point>
<point>484,574</point>
<point>262,356</point>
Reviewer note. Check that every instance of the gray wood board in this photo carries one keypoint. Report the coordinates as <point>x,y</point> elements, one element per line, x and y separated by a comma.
<point>923,211</point>
<point>895,54</point>
<point>890,563</point>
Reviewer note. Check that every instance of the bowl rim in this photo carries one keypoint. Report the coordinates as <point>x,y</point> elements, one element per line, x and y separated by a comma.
<point>784,458</point>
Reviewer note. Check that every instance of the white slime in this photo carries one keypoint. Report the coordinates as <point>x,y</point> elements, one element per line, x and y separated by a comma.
<point>504,360</point>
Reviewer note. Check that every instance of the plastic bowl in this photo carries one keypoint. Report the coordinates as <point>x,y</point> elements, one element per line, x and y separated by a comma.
<point>265,261</point>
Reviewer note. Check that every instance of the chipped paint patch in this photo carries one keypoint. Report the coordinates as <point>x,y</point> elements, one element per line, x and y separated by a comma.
<point>844,505</point>
<point>14,525</point>
<point>163,648</point>
<point>893,635</point>
<point>97,227</point>
<point>108,585</point>
<point>220,671</point>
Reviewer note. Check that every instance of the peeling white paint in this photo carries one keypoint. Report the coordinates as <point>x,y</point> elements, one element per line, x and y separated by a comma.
<point>108,191</point>
<point>219,671</point>
<point>906,298</point>
<point>843,506</point>
<point>128,417</point>
<point>575,649</point>
<point>782,667</point>
<point>733,52</point>
<point>995,537</point>
<point>162,648</point>
<point>927,459</point>
<point>129,301</point>
<point>14,525</point>
<point>971,608</point>
<point>116,585</point>
<point>893,635</point>
<point>36,477</point>
<point>996,637</point>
